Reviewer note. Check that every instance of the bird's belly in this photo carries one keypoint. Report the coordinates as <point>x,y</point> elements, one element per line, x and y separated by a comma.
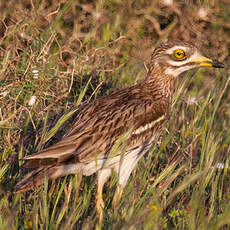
<point>136,148</point>
<point>131,156</point>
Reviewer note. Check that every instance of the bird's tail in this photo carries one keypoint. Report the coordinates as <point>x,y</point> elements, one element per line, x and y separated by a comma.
<point>38,175</point>
<point>35,178</point>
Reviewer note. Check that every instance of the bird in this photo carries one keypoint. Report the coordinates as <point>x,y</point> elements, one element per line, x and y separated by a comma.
<point>113,132</point>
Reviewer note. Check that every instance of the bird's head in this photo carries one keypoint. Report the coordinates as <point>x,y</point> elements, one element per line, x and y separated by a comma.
<point>178,56</point>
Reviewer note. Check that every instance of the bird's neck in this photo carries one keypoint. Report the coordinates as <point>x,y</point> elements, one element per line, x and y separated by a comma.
<point>157,80</point>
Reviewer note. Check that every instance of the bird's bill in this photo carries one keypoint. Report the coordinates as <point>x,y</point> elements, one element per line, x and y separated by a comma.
<point>204,61</point>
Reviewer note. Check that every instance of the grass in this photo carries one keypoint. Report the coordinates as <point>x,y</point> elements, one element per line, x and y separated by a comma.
<point>69,53</point>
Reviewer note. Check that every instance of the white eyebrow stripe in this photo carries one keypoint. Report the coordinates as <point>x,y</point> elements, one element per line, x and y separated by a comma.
<point>148,126</point>
<point>170,51</point>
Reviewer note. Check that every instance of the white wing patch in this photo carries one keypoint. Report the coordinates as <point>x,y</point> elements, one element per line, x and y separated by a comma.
<point>170,51</point>
<point>148,126</point>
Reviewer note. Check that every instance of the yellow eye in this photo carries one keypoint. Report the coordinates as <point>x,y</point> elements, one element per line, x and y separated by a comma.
<point>179,54</point>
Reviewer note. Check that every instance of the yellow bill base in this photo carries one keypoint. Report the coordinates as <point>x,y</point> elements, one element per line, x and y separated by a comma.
<point>203,61</point>
<point>206,64</point>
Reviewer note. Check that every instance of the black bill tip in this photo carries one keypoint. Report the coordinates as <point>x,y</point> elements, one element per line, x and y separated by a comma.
<point>217,64</point>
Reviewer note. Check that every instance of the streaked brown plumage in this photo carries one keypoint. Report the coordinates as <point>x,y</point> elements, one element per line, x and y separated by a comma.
<point>126,121</point>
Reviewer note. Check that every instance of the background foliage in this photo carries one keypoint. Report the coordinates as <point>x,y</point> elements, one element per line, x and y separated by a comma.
<point>55,55</point>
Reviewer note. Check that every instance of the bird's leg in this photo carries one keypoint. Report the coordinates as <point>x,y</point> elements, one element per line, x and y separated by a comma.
<point>117,195</point>
<point>103,176</point>
<point>124,170</point>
